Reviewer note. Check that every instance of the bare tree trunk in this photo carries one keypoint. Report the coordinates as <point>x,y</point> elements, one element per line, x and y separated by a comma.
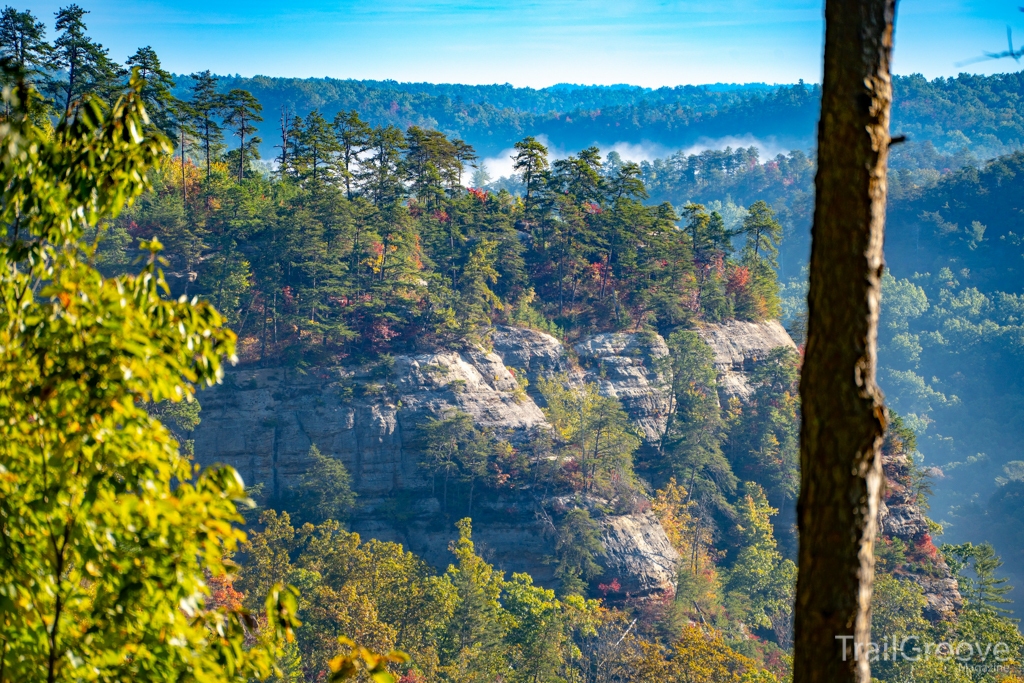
<point>843,414</point>
<point>184,190</point>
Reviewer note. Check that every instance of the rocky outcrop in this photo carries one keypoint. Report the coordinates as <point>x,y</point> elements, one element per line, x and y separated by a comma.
<point>900,517</point>
<point>535,355</point>
<point>638,556</point>
<point>737,346</point>
<point>625,366</point>
<point>264,421</point>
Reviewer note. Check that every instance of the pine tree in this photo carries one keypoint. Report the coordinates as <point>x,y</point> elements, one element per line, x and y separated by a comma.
<point>324,491</point>
<point>430,162</point>
<point>294,154</point>
<point>764,232</point>
<point>760,258</point>
<point>206,107</point>
<point>84,63</point>
<point>473,638</point>
<point>242,112</point>
<point>23,40</point>
<point>694,431</point>
<point>983,592</point>
<point>577,547</point>
<point>531,163</point>
<point>382,172</point>
<point>319,148</point>
<point>156,90</point>
<point>354,139</point>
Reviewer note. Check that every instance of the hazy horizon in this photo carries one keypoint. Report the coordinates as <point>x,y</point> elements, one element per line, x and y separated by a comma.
<point>533,44</point>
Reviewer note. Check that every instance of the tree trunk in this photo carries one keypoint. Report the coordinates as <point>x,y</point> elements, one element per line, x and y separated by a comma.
<point>241,153</point>
<point>843,414</point>
<point>184,187</point>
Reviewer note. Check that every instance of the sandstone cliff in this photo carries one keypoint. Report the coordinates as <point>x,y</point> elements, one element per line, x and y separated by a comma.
<point>625,366</point>
<point>738,346</point>
<point>263,422</point>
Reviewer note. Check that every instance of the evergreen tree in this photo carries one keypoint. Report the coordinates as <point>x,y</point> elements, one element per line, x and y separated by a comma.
<point>455,448</point>
<point>473,638</point>
<point>85,66</point>
<point>432,163</point>
<point>294,154</point>
<point>763,233</point>
<point>464,154</point>
<point>319,149</point>
<point>23,40</point>
<point>206,107</point>
<point>242,112</point>
<point>382,172</point>
<point>764,436</point>
<point>353,136</point>
<point>481,178</point>
<point>156,92</point>
<point>984,592</point>
<point>579,176</point>
<point>694,431</point>
<point>596,428</point>
<point>577,547</point>
<point>531,163</point>
<point>760,258</point>
<point>324,491</point>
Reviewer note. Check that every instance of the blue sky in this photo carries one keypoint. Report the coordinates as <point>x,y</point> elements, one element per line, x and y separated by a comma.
<point>531,42</point>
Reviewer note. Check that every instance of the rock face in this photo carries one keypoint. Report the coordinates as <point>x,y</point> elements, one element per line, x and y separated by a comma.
<point>263,422</point>
<point>625,366</point>
<point>638,555</point>
<point>738,346</point>
<point>535,354</point>
<point>900,517</point>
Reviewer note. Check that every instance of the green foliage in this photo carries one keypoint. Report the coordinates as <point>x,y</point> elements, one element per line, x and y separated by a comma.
<point>108,534</point>
<point>764,432</point>
<point>983,592</point>
<point>577,546</point>
<point>456,451</point>
<point>324,491</point>
<point>376,592</point>
<point>692,445</point>
<point>597,434</point>
<point>760,581</point>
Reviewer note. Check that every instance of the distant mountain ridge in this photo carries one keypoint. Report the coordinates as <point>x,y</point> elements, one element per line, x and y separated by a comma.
<point>980,112</point>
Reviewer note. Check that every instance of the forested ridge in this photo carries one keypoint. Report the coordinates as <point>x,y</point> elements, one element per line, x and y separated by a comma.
<point>982,113</point>
<point>370,237</point>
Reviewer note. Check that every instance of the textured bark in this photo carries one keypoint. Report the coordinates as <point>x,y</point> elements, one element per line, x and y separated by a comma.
<point>843,415</point>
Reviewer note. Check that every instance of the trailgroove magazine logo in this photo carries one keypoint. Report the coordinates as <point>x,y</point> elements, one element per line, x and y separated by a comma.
<point>914,649</point>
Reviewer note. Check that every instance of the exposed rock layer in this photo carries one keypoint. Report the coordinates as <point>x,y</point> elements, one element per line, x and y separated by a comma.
<point>738,346</point>
<point>263,422</point>
<point>625,366</point>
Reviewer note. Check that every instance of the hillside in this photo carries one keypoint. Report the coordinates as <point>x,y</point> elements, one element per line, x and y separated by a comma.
<point>979,113</point>
<point>534,429</point>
